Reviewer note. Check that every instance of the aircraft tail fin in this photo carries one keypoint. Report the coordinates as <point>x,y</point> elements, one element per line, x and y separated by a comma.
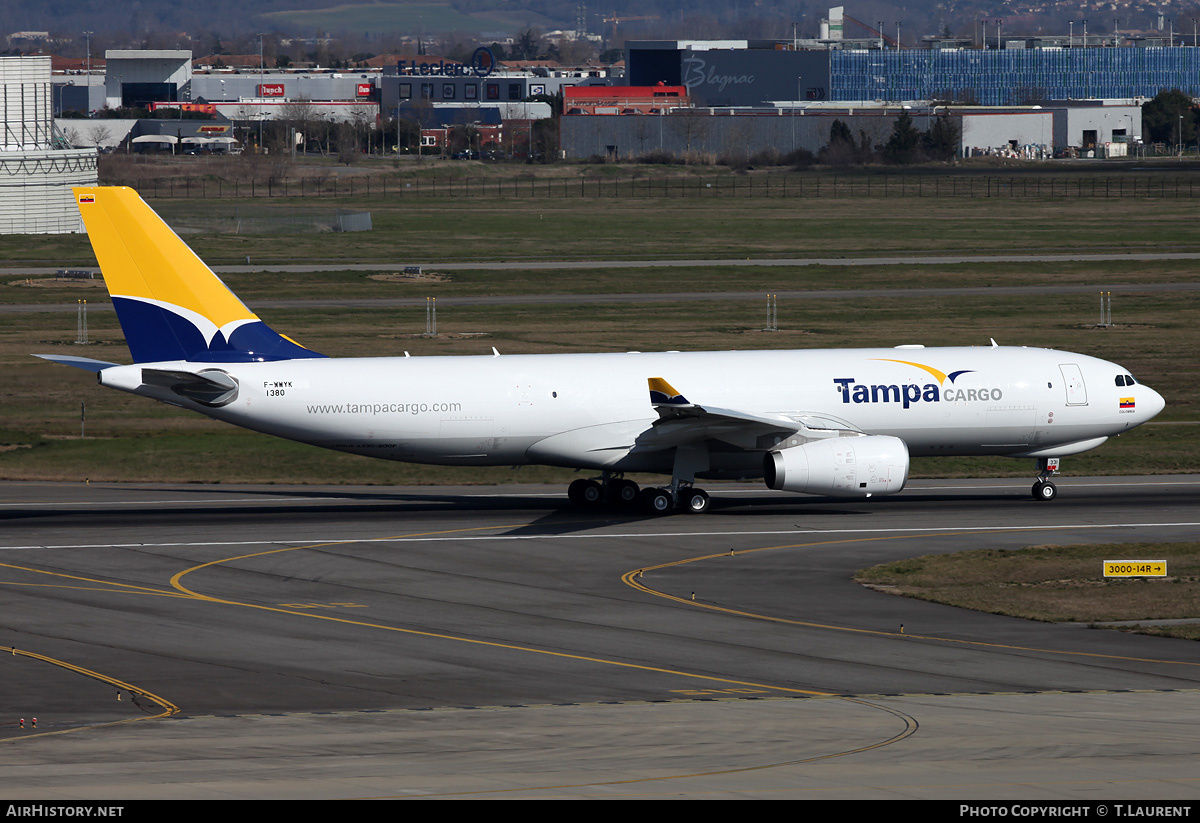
<point>171,306</point>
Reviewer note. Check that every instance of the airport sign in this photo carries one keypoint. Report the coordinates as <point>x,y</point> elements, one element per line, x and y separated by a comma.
<point>1135,568</point>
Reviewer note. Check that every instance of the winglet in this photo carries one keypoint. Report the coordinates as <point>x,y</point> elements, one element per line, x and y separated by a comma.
<point>663,393</point>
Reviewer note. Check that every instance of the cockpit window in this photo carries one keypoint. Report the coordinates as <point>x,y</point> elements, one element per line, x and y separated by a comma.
<point>1129,381</point>
<point>1120,380</point>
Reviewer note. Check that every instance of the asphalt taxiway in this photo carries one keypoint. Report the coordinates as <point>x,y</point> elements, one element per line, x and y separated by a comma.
<point>322,642</point>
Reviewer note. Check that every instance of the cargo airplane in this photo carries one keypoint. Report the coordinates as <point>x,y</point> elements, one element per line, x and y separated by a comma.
<point>840,422</point>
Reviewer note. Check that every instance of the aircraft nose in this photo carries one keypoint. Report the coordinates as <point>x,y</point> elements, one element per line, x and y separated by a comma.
<point>1152,404</point>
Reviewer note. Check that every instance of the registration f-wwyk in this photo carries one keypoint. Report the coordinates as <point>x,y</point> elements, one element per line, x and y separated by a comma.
<point>841,422</point>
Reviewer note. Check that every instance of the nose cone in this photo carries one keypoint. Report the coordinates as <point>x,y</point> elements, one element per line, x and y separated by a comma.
<point>1150,403</point>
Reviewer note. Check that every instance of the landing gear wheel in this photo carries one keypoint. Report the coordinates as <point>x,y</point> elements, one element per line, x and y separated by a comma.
<point>656,501</point>
<point>623,492</point>
<point>695,501</point>
<point>584,492</point>
<point>1044,490</point>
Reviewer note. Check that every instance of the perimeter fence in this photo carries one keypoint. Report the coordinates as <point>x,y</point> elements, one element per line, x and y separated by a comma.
<point>1182,185</point>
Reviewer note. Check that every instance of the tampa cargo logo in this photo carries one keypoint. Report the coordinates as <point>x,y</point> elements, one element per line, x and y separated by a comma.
<point>906,395</point>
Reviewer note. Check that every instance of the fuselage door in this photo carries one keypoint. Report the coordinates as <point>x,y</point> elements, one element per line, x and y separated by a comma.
<point>1073,379</point>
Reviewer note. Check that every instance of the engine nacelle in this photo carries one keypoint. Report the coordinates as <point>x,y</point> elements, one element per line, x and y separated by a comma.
<point>840,466</point>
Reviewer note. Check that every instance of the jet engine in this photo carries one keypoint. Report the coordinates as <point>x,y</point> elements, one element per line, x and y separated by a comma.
<point>840,466</point>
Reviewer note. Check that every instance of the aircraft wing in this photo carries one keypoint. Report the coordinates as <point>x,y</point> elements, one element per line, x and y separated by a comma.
<point>681,421</point>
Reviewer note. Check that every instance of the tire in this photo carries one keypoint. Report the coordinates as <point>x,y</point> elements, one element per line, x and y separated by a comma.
<point>657,501</point>
<point>593,493</point>
<point>624,492</point>
<point>584,492</point>
<point>696,501</point>
<point>1044,490</point>
<point>575,491</point>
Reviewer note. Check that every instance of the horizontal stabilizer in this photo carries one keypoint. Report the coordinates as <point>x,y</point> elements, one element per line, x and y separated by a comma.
<point>85,363</point>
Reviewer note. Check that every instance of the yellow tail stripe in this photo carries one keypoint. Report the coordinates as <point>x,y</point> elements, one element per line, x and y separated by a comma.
<point>141,257</point>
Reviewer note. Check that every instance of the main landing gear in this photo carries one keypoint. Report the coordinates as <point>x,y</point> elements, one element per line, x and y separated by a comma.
<point>608,489</point>
<point>1043,489</point>
<point>617,491</point>
<point>684,497</point>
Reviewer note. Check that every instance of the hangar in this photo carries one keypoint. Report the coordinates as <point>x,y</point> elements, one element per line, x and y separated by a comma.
<point>37,165</point>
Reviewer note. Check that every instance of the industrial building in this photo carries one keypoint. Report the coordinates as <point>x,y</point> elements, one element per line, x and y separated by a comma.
<point>758,73</point>
<point>37,166</point>
<point>1084,128</point>
<point>1034,97</point>
<point>1079,96</point>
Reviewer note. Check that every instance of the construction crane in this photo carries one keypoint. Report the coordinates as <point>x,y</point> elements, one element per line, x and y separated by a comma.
<point>873,30</point>
<point>615,20</point>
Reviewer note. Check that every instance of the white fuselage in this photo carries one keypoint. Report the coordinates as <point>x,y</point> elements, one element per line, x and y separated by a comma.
<point>592,410</point>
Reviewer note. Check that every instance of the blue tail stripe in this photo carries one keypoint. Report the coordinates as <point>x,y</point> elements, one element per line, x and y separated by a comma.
<point>256,341</point>
<point>155,334</point>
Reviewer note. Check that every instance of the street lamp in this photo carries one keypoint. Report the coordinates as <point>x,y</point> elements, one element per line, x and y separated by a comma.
<point>87,37</point>
<point>260,92</point>
<point>795,106</point>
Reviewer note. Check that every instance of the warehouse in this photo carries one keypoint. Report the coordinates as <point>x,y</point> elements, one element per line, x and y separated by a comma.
<point>1032,132</point>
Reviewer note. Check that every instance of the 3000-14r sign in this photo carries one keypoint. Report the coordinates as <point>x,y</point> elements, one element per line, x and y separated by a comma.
<point>1135,568</point>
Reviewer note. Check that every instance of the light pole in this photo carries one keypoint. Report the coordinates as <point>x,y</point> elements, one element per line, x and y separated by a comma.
<point>87,37</point>
<point>260,92</point>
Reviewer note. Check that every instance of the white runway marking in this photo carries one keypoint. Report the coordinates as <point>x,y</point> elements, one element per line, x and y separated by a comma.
<point>350,498</point>
<point>797,533</point>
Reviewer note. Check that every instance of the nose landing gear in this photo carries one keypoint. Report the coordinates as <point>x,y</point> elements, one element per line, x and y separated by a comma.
<point>1043,489</point>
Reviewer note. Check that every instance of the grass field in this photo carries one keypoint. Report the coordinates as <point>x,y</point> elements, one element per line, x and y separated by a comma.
<point>1156,335</point>
<point>448,229</point>
<point>1055,584</point>
<point>400,17</point>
